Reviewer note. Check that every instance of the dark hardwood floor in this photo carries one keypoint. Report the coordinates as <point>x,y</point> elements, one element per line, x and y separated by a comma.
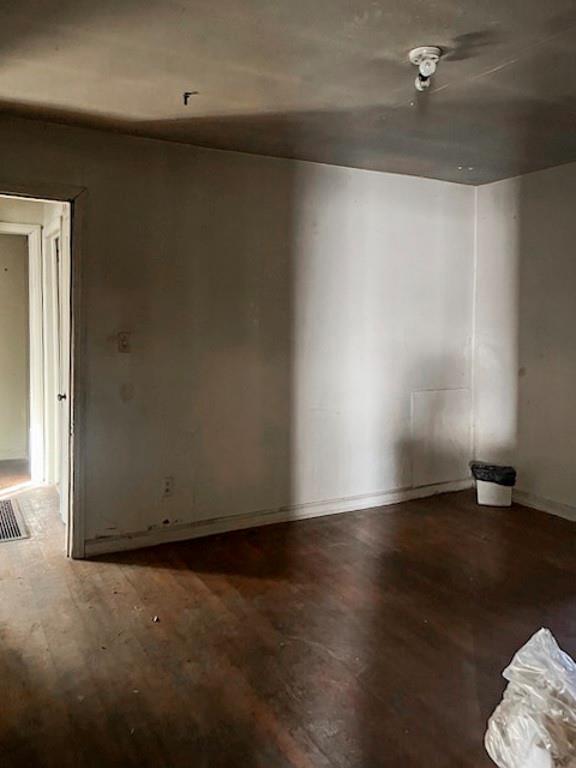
<point>13,472</point>
<point>369,639</point>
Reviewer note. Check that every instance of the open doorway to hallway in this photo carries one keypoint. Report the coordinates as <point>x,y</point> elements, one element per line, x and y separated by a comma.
<point>35,329</point>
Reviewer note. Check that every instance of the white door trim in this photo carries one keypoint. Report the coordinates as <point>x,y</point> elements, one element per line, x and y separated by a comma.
<point>36,407</point>
<point>50,292</point>
<point>77,197</point>
<point>65,365</point>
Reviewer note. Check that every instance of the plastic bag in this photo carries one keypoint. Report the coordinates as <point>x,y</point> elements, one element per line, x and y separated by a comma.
<point>535,724</point>
<point>493,473</point>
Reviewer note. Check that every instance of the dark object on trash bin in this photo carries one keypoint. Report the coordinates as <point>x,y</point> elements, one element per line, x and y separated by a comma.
<point>492,473</point>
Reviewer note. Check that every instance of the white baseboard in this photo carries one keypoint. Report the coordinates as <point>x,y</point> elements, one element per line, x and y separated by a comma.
<point>544,505</point>
<point>162,535</point>
<point>9,455</point>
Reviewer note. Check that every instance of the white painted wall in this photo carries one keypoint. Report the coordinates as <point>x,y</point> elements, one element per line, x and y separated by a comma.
<point>382,317</point>
<point>283,316</point>
<point>526,320</point>
<point>496,326</point>
<point>14,387</point>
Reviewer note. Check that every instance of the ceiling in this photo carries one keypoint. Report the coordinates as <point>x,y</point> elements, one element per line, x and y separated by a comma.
<point>327,80</point>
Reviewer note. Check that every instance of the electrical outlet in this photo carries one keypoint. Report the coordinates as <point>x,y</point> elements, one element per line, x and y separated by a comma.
<point>168,487</point>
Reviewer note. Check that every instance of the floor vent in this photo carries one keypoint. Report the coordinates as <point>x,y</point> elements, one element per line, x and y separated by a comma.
<point>11,524</point>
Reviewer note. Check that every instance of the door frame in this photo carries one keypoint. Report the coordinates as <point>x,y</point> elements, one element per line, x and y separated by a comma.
<point>50,292</point>
<point>35,441</point>
<point>76,399</point>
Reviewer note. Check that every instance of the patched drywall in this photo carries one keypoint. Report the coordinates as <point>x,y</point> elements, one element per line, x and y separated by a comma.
<point>441,428</point>
<point>281,314</point>
<point>526,316</point>
<point>14,346</point>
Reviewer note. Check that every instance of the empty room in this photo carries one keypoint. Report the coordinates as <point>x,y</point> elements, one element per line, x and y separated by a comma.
<point>287,399</point>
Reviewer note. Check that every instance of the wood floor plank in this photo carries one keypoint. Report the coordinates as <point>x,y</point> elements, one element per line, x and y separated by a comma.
<point>370,639</point>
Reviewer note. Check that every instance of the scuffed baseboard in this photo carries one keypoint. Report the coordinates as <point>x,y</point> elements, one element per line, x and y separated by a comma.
<point>108,544</point>
<point>544,505</point>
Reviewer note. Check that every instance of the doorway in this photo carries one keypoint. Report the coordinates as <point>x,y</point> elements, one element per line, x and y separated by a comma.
<point>35,350</point>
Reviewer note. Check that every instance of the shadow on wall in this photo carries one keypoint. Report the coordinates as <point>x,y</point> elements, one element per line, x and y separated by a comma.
<point>546,434</point>
<point>243,291</point>
<point>526,362</point>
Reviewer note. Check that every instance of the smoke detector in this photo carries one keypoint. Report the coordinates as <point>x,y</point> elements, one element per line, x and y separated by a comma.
<point>426,58</point>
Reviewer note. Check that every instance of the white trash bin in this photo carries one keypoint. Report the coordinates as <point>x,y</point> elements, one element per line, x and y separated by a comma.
<point>492,494</point>
<point>494,483</point>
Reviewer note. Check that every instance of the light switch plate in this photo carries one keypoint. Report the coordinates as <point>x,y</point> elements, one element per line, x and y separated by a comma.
<point>124,344</point>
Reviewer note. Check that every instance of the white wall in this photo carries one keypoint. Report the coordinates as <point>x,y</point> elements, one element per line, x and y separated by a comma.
<point>299,332</point>
<point>14,387</point>
<point>496,326</point>
<point>382,306</point>
<point>526,320</point>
